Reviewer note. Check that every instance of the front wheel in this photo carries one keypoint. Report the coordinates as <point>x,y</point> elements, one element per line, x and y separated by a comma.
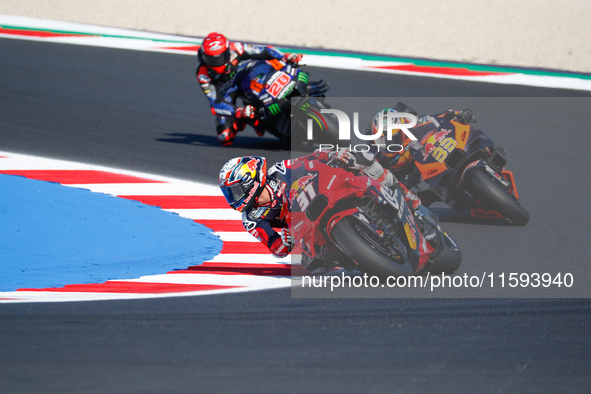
<point>330,123</point>
<point>499,199</point>
<point>369,255</point>
<point>324,127</point>
<point>449,259</point>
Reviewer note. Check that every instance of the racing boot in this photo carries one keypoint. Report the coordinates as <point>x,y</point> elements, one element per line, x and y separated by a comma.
<point>259,130</point>
<point>226,136</point>
<point>316,265</point>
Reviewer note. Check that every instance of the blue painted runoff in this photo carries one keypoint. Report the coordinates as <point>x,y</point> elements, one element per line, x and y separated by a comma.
<point>52,235</point>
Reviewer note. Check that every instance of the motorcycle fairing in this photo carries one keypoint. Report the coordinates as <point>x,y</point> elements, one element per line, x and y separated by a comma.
<point>436,145</point>
<point>447,153</point>
<point>338,194</point>
<point>269,84</point>
<point>508,175</point>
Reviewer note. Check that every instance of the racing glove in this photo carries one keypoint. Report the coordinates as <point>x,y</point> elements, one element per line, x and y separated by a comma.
<point>367,163</point>
<point>342,157</point>
<point>464,117</point>
<point>248,112</point>
<point>292,58</point>
<point>380,174</point>
<point>287,239</point>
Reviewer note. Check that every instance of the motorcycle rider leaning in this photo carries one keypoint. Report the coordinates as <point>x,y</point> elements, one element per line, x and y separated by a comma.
<point>263,197</point>
<point>400,163</point>
<point>218,61</point>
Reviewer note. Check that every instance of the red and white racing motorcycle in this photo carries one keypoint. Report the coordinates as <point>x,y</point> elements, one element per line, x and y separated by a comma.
<point>368,226</point>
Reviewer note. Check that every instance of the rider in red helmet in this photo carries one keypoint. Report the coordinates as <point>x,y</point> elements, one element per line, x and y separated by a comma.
<point>218,61</point>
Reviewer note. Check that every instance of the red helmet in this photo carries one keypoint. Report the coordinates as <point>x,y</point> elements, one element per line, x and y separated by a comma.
<point>215,50</point>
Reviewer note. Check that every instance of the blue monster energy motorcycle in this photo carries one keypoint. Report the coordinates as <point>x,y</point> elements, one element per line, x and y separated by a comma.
<point>281,92</point>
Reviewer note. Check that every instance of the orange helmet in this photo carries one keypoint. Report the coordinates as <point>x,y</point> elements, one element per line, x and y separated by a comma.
<point>398,136</point>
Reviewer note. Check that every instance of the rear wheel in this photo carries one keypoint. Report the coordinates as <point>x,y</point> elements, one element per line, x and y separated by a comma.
<point>501,201</point>
<point>359,244</point>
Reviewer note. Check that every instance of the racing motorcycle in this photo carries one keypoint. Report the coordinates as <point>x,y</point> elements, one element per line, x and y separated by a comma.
<point>362,225</point>
<point>266,83</point>
<point>464,169</point>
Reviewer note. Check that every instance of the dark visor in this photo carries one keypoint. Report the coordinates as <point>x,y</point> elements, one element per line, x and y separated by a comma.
<point>218,60</point>
<point>234,194</point>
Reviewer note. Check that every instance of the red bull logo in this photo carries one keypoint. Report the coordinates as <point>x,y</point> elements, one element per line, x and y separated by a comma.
<point>434,142</point>
<point>299,186</point>
<point>303,181</point>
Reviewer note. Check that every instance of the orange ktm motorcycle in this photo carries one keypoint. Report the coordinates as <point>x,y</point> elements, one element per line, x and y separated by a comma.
<point>463,168</point>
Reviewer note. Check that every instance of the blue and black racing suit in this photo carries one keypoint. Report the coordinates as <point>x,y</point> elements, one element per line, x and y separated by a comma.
<point>222,89</point>
<point>260,220</point>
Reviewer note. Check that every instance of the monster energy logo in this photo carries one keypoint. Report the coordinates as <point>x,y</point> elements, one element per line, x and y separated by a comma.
<point>302,76</point>
<point>314,115</point>
<point>274,109</point>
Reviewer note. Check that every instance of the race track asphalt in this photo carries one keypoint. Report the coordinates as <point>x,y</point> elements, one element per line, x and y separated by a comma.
<point>144,111</point>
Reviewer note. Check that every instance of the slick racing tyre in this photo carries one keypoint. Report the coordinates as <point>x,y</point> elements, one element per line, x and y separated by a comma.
<point>359,244</point>
<point>326,128</point>
<point>450,258</point>
<point>330,121</point>
<point>501,201</point>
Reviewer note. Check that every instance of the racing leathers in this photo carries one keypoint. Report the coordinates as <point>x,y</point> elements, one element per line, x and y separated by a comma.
<point>222,89</point>
<point>262,220</point>
<point>369,165</point>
